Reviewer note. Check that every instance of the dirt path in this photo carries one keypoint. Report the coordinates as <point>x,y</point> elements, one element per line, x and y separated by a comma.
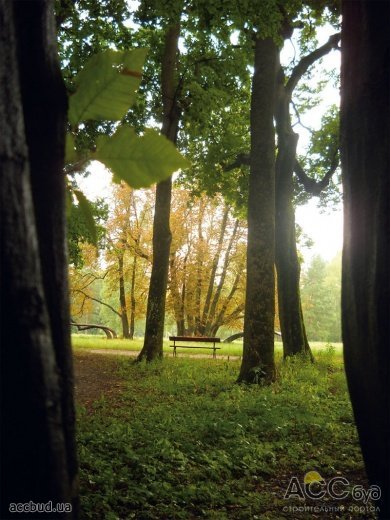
<point>95,379</point>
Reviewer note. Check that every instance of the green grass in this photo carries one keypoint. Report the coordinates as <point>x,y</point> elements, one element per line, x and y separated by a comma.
<point>184,441</point>
<point>89,341</point>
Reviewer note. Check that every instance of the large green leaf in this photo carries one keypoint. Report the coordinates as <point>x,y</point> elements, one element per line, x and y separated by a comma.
<point>86,210</point>
<point>106,86</point>
<point>139,160</point>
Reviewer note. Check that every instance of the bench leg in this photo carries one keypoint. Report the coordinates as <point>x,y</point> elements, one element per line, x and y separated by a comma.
<point>174,350</point>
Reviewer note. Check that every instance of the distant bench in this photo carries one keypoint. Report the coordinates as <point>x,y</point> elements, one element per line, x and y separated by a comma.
<point>194,339</point>
<point>110,333</point>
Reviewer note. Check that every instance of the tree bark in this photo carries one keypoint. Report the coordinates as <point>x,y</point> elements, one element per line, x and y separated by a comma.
<point>213,322</point>
<point>122,297</point>
<point>365,131</point>
<point>132,298</point>
<point>258,363</point>
<point>199,272</point>
<point>287,262</point>
<point>37,437</point>
<point>210,289</point>
<point>155,313</point>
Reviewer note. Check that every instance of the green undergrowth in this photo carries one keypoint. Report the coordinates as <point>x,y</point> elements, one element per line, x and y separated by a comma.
<point>185,441</point>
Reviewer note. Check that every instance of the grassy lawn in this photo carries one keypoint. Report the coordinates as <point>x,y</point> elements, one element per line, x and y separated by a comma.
<point>92,342</point>
<point>181,440</point>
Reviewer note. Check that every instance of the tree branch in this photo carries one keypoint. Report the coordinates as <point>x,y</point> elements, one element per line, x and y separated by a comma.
<point>301,68</point>
<point>297,115</point>
<point>98,301</point>
<point>312,186</point>
<point>241,159</point>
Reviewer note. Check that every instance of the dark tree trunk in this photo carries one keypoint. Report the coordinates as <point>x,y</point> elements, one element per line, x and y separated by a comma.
<point>132,298</point>
<point>258,357</point>
<point>155,313</point>
<point>365,131</point>
<point>287,262</point>
<point>37,437</point>
<point>122,298</point>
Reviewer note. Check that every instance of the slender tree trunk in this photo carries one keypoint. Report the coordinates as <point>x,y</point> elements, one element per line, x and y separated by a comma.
<point>122,298</point>
<point>207,303</point>
<point>37,437</point>
<point>183,295</point>
<point>258,363</point>
<point>199,273</point>
<point>155,313</point>
<point>176,296</point>
<point>220,319</point>
<point>365,131</point>
<point>132,298</point>
<point>212,321</point>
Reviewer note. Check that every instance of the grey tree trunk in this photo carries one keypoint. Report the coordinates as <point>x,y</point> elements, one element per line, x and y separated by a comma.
<point>155,313</point>
<point>37,426</point>
<point>365,159</point>
<point>258,363</point>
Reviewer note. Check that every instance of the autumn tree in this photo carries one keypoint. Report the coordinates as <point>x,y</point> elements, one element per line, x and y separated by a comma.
<point>207,265</point>
<point>129,235</point>
<point>365,130</point>
<point>117,279</point>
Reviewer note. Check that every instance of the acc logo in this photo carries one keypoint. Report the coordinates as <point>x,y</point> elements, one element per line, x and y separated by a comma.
<point>338,488</point>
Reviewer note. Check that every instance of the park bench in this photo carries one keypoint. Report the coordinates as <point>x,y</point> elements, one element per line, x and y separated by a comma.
<point>110,333</point>
<point>178,340</point>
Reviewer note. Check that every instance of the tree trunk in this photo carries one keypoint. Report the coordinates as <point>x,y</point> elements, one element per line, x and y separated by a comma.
<point>37,437</point>
<point>365,130</point>
<point>258,363</point>
<point>207,303</point>
<point>122,298</point>
<point>199,272</point>
<point>176,296</point>
<point>287,262</point>
<point>155,313</point>
<point>132,298</point>
<point>213,323</point>
<point>219,320</point>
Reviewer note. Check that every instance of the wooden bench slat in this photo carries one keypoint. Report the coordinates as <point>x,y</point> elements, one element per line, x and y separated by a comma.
<point>195,338</point>
<point>194,346</point>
